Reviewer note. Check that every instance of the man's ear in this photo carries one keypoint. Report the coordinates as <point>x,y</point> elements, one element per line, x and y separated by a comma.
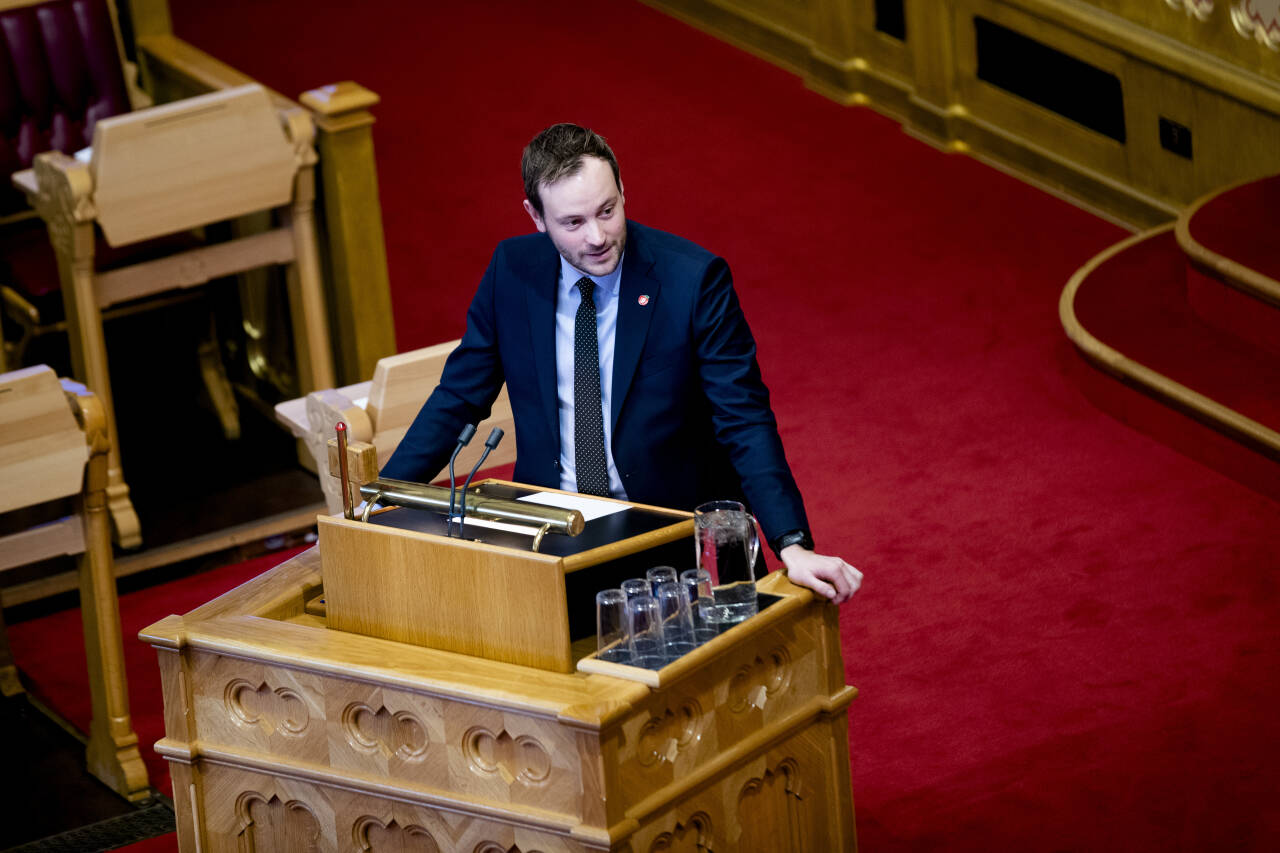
<point>534,215</point>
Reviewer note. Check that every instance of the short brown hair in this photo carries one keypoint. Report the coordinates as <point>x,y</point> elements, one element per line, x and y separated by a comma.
<point>556,153</point>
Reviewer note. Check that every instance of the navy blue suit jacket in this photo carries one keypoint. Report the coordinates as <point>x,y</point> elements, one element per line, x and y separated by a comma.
<point>690,414</point>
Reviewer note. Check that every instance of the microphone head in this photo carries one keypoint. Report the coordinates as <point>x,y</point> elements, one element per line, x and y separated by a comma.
<point>465,436</point>
<point>494,437</point>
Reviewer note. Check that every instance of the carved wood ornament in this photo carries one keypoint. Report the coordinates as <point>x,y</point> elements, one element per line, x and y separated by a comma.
<point>281,709</point>
<point>755,683</point>
<point>64,199</point>
<point>400,734</point>
<point>692,835</point>
<point>1259,20</point>
<point>665,735</point>
<point>271,825</point>
<point>522,758</point>
<point>373,836</point>
<point>1199,9</point>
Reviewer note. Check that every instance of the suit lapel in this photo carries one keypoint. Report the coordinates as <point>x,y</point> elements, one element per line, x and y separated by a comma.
<point>540,306</point>
<point>639,288</point>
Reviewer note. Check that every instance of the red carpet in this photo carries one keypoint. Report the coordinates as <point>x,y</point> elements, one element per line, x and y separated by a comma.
<point>1068,635</point>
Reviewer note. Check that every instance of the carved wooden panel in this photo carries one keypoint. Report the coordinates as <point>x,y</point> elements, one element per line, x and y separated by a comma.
<point>372,835</point>
<point>383,732</point>
<point>683,727</point>
<point>249,812</point>
<point>275,826</point>
<point>290,715</point>
<point>259,708</point>
<point>467,749</point>
<point>255,813</point>
<point>782,802</point>
<point>513,758</point>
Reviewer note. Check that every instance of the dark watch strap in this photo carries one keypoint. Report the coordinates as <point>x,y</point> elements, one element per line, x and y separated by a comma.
<point>793,537</point>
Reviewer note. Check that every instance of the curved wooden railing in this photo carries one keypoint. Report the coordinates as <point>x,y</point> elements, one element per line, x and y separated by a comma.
<point>1191,403</point>
<point>1242,278</point>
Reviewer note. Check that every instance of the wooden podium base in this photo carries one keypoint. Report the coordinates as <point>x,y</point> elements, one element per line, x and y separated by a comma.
<point>284,734</point>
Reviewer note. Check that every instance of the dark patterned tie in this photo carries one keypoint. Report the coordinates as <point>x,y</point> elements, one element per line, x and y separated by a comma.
<point>588,416</point>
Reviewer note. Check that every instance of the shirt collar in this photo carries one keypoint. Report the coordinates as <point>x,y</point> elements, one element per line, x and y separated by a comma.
<point>608,284</point>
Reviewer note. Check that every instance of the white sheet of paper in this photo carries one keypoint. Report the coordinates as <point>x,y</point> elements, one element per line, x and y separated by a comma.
<point>590,508</point>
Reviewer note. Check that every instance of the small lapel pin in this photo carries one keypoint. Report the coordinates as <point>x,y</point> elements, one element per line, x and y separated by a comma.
<point>644,299</point>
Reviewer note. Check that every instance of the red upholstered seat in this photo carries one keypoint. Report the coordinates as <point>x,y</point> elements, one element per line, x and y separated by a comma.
<point>60,73</point>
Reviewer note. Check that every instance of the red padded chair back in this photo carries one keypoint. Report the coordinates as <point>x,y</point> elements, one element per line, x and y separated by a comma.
<point>59,74</point>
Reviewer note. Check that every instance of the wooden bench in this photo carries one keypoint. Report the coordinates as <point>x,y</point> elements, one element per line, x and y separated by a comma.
<point>53,445</point>
<point>380,412</point>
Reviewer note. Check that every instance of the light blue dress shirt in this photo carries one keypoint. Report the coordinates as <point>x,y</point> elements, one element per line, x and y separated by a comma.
<point>567,300</point>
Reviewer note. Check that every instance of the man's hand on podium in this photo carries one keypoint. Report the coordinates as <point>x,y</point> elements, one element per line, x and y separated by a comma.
<point>830,577</point>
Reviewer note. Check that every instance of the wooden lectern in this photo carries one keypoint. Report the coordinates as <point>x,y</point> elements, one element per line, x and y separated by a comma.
<point>398,689</point>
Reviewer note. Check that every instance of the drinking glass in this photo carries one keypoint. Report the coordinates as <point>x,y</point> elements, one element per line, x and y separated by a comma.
<point>701,599</point>
<point>727,543</point>
<point>636,586</point>
<point>646,632</point>
<point>677,620</point>
<point>613,633</point>
<point>659,575</point>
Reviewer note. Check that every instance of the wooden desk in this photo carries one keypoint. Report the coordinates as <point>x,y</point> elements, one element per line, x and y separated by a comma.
<point>284,734</point>
<point>53,445</point>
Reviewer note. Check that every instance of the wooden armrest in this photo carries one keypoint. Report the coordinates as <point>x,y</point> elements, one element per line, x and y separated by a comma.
<point>195,68</point>
<point>293,413</point>
<point>25,180</point>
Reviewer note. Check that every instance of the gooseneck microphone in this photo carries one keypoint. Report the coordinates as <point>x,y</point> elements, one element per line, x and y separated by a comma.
<point>464,438</point>
<point>489,444</point>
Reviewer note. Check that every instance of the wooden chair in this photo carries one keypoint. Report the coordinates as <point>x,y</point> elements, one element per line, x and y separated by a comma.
<point>73,63</point>
<point>166,170</point>
<point>63,72</point>
<point>380,411</point>
<point>53,445</point>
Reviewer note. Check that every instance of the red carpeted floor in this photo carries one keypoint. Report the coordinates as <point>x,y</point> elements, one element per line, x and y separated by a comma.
<point>1067,638</point>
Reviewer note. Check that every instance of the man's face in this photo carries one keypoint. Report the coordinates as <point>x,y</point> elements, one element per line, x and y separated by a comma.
<point>582,214</point>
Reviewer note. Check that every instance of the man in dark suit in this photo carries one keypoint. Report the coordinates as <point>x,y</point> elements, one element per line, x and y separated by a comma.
<point>629,364</point>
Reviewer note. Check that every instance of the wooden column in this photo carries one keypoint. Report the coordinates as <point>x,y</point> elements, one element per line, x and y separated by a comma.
<point>933,108</point>
<point>112,753</point>
<point>834,69</point>
<point>63,201</point>
<point>355,253</point>
<point>312,344</point>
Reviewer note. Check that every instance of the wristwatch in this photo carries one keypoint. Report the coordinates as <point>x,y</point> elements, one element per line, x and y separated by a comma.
<point>793,537</point>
